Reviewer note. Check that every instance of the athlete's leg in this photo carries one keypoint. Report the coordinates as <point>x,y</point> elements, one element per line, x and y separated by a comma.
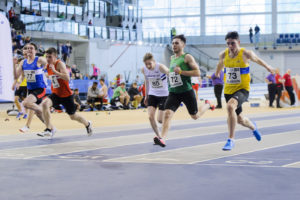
<point>244,121</point>
<point>29,102</point>
<point>30,117</point>
<point>232,117</point>
<point>151,115</point>
<point>160,116</point>
<point>18,103</point>
<point>46,105</point>
<point>166,122</point>
<point>79,119</point>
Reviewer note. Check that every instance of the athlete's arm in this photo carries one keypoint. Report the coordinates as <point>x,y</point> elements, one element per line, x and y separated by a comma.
<point>61,71</point>
<point>162,69</point>
<point>17,68</point>
<point>188,59</point>
<point>220,65</point>
<point>253,57</point>
<point>146,82</point>
<point>42,61</point>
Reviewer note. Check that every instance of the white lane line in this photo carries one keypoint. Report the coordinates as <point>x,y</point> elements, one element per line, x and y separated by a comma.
<point>207,152</point>
<point>101,143</point>
<point>293,165</point>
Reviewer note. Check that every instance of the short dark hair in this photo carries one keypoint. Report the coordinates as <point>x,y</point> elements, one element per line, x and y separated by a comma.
<point>51,50</point>
<point>76,90</point>
<point>232,35</point>
<point>148,56</point>
<point>181,37</point>
<point>122,83</point>
<point>35,47</point>
<point>102,79</point>
<point>95,83</point>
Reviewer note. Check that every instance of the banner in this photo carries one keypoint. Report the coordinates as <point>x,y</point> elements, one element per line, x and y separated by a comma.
<point>6,61</point>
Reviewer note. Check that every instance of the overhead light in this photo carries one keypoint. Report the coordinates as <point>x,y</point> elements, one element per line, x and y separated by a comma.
<point>130,7</point>
<point>140,42</point>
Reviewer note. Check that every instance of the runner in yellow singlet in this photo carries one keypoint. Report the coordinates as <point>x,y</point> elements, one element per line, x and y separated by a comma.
<point>237,84</point>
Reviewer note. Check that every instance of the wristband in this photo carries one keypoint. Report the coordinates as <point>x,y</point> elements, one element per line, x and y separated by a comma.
<point>180,72</point>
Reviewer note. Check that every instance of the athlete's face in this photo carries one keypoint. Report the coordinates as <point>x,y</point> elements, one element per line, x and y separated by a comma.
<point>150,64</point>
<point>177,45</point>
<point>31,51</point>
<point>25,51</point>
<point>233,44</point>
<point>51,58</point>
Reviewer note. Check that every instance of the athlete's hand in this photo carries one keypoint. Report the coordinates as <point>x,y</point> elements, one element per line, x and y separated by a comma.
<point>51,66</point>
<point>146,101</point>
<point>177,70</point>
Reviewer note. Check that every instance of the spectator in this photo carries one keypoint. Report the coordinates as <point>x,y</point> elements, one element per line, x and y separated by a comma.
<point>38,13</point>
<point>93,96</point>
<point>11,15</point>
<point>25,11</point>
<point>173,32</point>
<point>279,81</point>
<point>90,23</point>
<point>257,34</point>
<point>65,53</point>
<point>73,18</point>
<point>86,77</point>
<point>218,87</point>
<point>69,70</point>
<point>289,86</point>
<point>251,35</point>
<point>121,95</point>
<point>77,101</point>
<point>142,89</point>
<point>27,39</point>
<point>103,93</point>
<point>33,12</point>
<point>137,79</point>
<point>270,79</point>
<point>96,72</point>
<point>135,96</point>
<point>62,15</point>
<point>76,72</point>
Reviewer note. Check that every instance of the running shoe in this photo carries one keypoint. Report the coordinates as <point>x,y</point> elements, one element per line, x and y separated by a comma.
<point>212,107</point>
<point>25,116</point>
<point>24,129</point>
<point>229,145</point>
<point>19,115</point>
<point>89,129</point>
<point>47,133</point>
<point>256,133</point>
<point>155,140</point>
<point>159,142</point>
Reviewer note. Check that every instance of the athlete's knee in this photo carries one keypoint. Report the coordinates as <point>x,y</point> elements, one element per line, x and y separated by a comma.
<point>151,117</point>
<point>231,107</point>
<point>27,104</point>
<point>72,117</point>
<point>167,114</point>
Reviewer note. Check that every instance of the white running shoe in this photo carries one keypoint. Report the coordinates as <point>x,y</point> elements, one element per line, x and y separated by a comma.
<point>89,129</point>
<point>25,129</point>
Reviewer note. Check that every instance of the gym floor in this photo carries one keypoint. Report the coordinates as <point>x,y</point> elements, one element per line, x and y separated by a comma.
<point>120,161</point>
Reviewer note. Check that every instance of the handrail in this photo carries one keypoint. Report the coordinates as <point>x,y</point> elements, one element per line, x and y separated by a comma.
<point>120,56</point>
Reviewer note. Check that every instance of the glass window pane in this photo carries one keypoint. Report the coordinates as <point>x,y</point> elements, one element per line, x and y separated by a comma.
<point>288,23</point>
<point>288,5</point>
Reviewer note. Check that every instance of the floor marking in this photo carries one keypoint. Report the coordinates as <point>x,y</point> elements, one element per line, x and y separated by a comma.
<point>207,152</point>
<point>292,165</point>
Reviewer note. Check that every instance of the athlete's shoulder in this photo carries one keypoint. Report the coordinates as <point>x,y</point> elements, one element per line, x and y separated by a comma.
<point>223,53</point>
<point>247,53</point>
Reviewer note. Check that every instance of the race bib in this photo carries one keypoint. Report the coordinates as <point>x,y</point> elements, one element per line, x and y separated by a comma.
<point>175,80</point>
<point>54,81</point>
<point>233,75</point>
<point>30,75</point>
<point>156,83</point>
